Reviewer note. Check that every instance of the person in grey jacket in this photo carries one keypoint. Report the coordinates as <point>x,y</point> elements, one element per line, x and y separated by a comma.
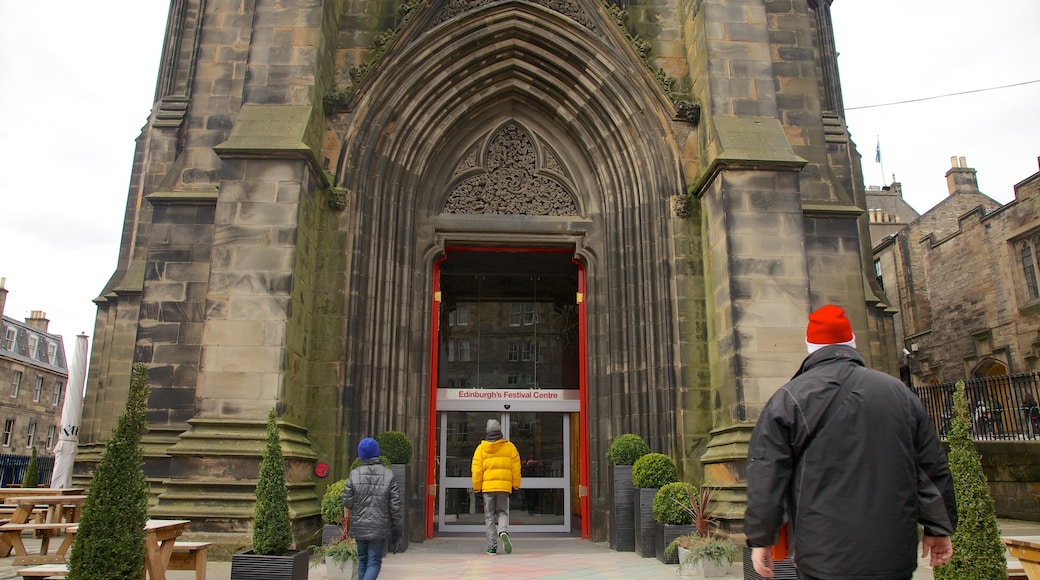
<point>853,481</point>
<point>372,510</point>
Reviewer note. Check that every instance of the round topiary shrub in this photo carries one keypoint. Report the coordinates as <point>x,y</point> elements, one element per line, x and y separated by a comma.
<point>672,504</point>
<point>357,462</point>
<point>654,470</point>
<point>626,449</point>
<point>332,502</point>
<point>395,446</point>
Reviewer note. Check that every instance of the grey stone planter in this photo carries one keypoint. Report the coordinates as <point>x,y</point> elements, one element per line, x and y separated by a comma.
<point>622,492</point>
<point>782,569</point>
<point>645,526</point>
<point>665,534</point>
<point>401,475</point>
<point>250,566</point>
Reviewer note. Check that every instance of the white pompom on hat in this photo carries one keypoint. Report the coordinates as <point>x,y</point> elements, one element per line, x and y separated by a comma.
<point>828,326</point>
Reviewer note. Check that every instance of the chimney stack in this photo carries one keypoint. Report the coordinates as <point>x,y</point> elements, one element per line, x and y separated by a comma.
<point>3,296</point>
<point>38,320</point>
<point>961,178</point>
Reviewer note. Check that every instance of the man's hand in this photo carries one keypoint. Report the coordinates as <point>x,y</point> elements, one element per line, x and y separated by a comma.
<point>762,558</point>
<point>939,547</point>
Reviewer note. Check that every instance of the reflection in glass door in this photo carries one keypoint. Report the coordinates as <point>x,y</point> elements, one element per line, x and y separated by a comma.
<point>543,441</point>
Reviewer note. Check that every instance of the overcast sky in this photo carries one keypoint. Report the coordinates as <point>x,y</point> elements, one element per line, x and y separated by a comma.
<point>77,81</point>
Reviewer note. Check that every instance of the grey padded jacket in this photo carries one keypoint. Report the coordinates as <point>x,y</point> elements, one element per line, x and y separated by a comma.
<point>858,491</point>
<point>371,495</point>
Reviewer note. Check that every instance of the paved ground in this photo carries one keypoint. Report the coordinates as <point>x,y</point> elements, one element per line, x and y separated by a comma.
<point>535,556</point>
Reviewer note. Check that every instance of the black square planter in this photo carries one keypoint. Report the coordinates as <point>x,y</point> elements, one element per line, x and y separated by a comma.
<point>623,531</point>
<point>249,566</point>
<point>666,533</point>
<point>401,475</point>
<point>645,526</point>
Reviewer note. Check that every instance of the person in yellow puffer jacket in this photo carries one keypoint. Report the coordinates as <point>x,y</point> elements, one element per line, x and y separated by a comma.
<point>496,473</point>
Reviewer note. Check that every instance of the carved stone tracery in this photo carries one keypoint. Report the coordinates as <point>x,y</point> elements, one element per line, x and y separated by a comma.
<point>511,179</point>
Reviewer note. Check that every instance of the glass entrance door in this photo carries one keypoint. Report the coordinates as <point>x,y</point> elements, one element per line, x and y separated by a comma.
<point>543,503</point>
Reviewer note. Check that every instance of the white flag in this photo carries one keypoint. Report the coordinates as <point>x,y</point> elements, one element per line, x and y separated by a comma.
<point>68,438</point>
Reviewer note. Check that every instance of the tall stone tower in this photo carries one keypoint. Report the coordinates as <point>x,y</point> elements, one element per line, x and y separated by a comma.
<point>383,215</point>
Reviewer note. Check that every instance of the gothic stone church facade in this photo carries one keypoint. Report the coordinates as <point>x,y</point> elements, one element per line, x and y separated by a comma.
<point>580,218</point>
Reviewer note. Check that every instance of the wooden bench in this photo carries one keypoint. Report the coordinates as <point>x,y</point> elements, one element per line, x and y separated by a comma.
<point>185,556</point>
<point>190,556</point>
<point>1015,570</point>
<point>45,571</point>
<point>12,536</point>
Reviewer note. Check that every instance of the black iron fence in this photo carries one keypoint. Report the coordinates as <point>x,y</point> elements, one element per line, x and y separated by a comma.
<point>1003,407</point>
<point>12,469</point>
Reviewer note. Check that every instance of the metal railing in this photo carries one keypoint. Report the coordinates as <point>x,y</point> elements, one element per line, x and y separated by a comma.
<point>1003,407</point>
<point>12,469</point>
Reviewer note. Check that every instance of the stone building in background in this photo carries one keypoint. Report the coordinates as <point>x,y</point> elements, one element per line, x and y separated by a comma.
<point>33,376</point>
<point>964,279</point>
<point>583,219</point>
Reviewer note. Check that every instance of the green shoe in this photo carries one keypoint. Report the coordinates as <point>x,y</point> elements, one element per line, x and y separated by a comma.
<point>490,551</point>
<point>505,542</point>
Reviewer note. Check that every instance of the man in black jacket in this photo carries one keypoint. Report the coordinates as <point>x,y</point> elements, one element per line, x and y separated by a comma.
<point>850,458</point>
<point>372,509</point>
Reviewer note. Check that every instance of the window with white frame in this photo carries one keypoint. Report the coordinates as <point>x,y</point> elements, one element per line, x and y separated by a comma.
<point>30,435</point>
<point>34,346</point>
<point>52,352</point>
<point>9,335</point>
<point>56,398</point>
<point>1029,252</point>
<point>514,351</point>
<point>38,389</point>
<point>52,433</point>
<point>530,314</point>
<point>16,383</point>
<point>8,431</point>
<point>515,311</point>
<point>459,316</point>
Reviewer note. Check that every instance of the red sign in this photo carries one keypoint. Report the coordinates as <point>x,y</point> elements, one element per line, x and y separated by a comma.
<point>322,470</point>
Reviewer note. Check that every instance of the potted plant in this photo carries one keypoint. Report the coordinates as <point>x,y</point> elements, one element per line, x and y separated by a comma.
<point>673,512</point>
<point>396,447</point>
<point>649,473</point>
<point>111,537</point>
<point>977,549</point>
<point>332,512</point>
<point>32,471</point>
<point>340,556</point>
<point>624,451</point>
<point>702,552</point>
<point>271,557</point>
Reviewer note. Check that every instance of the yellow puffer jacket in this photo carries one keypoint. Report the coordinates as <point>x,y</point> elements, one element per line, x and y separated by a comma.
<point>496,467</point>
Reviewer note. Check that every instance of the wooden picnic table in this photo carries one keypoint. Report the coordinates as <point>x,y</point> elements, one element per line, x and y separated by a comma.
<point>12,537</point>
<point>1027,550</point>
<point>59,508</point>
<point>158,544</point>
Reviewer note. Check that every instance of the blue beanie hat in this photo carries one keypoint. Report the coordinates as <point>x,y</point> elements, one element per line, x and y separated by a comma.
<point>368,448</point>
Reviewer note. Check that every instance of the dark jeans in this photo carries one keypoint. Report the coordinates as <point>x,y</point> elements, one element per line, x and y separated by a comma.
<point>370,558</point>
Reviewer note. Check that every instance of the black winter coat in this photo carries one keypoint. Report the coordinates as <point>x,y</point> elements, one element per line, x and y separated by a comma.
<point>371,495</point>
<point>856,495</point>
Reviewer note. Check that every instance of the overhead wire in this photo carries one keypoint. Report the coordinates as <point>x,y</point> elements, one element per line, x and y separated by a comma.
<point>941,96</point>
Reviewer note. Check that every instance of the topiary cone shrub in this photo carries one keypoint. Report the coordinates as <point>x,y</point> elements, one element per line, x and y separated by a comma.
<point>272,528</point>
<point>673,504</point>
<point>332,502</point>
<point>978,553</point>
<point>110,540</point>
<point>654,470</point>
<point>395,446</point>
<point>626,449</point>
<point>32,471</point>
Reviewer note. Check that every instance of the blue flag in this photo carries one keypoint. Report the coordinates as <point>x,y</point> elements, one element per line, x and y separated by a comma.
<point>877,154</point>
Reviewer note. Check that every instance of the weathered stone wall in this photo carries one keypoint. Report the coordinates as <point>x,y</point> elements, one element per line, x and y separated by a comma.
<point>1013,474</point>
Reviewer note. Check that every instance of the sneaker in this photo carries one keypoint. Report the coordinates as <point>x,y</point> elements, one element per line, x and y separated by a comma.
<point>491,552</point>
<point>505,542</point>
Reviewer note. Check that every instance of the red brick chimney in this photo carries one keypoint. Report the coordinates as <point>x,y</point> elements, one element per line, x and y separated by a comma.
<point>961,178</point>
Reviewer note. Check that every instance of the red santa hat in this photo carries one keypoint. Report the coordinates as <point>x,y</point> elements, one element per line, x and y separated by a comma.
<point>828,326</point>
